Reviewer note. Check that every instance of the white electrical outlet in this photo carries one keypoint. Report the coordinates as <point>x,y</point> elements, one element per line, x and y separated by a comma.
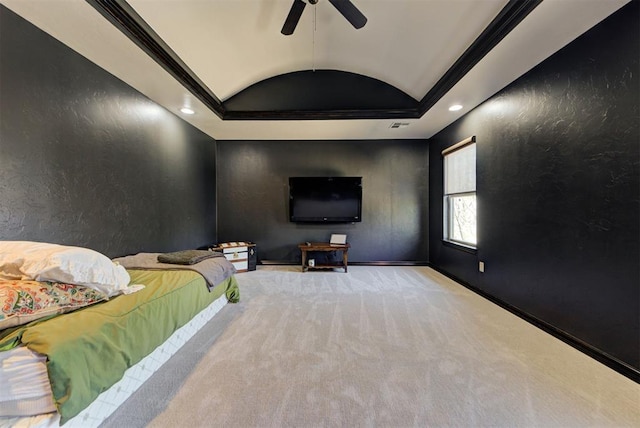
<point>481,266</point>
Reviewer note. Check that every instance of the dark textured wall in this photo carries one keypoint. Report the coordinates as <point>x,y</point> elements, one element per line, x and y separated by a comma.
<point>86,160</point>
<point>558,184</point>
<point>253,186</point>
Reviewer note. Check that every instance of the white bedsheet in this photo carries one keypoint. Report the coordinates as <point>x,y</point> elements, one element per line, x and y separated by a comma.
<point>25,385</point>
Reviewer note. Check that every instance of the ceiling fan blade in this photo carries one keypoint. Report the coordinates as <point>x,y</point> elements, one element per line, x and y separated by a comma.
<point>350,12</point>
<point>294,16</point>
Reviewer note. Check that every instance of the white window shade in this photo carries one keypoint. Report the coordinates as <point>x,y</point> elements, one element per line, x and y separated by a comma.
<point>460,170</point>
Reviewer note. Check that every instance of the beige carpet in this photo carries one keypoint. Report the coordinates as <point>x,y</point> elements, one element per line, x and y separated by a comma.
<point>377,347</point>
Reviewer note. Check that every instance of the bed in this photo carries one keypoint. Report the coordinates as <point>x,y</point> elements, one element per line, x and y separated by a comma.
<point>75,367</point>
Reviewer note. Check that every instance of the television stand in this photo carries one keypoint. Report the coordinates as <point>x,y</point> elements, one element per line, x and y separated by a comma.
<point>324,246</point>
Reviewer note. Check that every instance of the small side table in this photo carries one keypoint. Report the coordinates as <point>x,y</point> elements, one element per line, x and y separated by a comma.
<point>324,246</point>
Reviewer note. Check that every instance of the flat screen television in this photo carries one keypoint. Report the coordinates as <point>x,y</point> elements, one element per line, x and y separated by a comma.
<point>325,199</point>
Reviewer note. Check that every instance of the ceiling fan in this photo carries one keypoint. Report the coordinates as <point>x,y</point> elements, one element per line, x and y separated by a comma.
<point>345,7</point>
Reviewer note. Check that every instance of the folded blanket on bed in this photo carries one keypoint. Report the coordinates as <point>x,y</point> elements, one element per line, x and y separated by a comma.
<point>214,270</point>
<point>187,257</point>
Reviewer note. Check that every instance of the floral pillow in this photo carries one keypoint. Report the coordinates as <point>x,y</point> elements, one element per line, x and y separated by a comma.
<point>24,301</point>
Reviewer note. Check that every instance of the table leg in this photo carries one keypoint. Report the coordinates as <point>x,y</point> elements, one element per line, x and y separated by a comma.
<point>304,260</point>
<point>344,260</point>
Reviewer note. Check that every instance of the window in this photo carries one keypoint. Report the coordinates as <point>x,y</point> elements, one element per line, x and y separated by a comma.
<point>460,208</point>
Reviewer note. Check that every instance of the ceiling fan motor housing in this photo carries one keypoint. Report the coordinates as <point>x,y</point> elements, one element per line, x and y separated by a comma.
<point>345,7</point>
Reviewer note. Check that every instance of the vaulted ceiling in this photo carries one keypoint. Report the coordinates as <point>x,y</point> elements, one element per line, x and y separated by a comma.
<point>229,62</point>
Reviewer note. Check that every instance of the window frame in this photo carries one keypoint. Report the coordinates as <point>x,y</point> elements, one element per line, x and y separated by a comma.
<point>447,211</point>
<point>447,217</point>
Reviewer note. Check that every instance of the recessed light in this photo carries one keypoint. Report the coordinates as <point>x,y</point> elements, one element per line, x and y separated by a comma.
<point>455,107</point>
<point>187,110</point>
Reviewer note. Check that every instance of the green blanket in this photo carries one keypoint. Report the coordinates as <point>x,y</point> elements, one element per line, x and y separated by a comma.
<point>89,350</point>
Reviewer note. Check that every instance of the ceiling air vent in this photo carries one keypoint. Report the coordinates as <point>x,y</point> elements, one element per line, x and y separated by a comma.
<point>395,125</point>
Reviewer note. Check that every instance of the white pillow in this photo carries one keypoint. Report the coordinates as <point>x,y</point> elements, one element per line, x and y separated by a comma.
<point>39,261</point>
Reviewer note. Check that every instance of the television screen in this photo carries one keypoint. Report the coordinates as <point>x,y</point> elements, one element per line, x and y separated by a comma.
<point>325,199</point>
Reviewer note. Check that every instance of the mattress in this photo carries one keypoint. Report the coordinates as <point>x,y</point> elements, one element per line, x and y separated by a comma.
<point>88,350</point>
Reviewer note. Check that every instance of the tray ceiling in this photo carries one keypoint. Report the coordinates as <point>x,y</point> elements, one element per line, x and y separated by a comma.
<point>221,47</point>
